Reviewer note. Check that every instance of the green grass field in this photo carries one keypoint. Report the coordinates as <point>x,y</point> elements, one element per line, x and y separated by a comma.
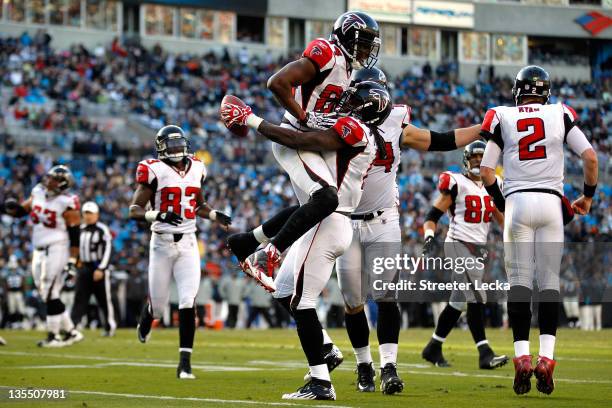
<point>254,368</point>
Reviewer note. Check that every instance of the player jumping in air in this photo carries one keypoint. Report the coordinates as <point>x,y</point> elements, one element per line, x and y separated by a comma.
<point>172,185</point>
<point>470,210</point>
<point>530,136</point>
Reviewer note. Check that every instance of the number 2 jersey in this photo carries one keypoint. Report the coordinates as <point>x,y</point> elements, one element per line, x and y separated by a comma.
<point>531,138</point>
<point>472,209</point>
<point>333,77</point>
<point>47,215</point>
<point>175,191</point>
<point>380,185</point>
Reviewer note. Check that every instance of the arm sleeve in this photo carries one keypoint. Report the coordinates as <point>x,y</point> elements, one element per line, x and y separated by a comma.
<point>144,174</point>
<point>321,54</point>
<point>570,119</point>
<point>577,141</point>
<point>108,245</point>
<point>491,129</point>
<point>491,155</point>
<point>350,131</point>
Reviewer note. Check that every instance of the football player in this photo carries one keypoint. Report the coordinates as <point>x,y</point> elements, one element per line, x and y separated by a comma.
<point>470,210</point>
<point>530,137</point>
<point>348,147</point>
<point>55,216</point>
<point>172,185</point>
<point>309,88</point>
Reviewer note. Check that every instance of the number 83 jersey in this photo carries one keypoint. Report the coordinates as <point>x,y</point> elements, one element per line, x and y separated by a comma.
<point>472,209</point>
<point>175,191</point>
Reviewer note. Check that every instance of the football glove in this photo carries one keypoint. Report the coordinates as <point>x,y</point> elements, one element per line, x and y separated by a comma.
<point>235,115</point>
<point>319,120</point>
<point>429,248</point>
<point>169,218</point>
<point>220,217</point>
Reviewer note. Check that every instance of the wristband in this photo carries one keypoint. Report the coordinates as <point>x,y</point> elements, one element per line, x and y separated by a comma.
<point>589,191</point>
<point>428,233</point>
<point>253,121</point>
<point>212,215</point>
<point>72,260</point>
<point>151,215</point>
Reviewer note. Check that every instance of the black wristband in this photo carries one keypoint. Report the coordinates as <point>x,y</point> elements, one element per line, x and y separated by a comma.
<point>434,214</point>
<point>442,142</point>
<point>498,198</point>
<point>74,234</point>
<point>589,191</point>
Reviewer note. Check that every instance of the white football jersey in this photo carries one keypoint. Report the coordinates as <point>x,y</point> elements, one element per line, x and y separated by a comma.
<point>174,191</point>
<point>47,215</point>
<point>472,209</point>
<point>332,79</point>
<point>350,165</point>
<point>531,138</point>
<point>380,186</point>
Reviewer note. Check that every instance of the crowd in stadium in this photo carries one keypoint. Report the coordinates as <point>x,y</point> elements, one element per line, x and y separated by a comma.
<point>48,89</point>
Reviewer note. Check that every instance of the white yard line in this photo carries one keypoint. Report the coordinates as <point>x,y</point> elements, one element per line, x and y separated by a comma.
<point>193,399</point>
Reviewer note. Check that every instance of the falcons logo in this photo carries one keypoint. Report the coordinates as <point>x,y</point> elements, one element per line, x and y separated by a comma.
<point>346,131</point>
<point>352,20</point>
<point>316,51</point>
<point>380,98</point>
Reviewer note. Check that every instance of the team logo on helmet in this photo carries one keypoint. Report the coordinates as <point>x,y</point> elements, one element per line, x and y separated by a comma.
<point>381,99</point>
<point>352,20</point>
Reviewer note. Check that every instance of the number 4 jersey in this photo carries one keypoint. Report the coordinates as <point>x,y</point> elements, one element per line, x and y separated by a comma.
<point>175,191</point>
<point>472,209</point>
<point>47,215</point>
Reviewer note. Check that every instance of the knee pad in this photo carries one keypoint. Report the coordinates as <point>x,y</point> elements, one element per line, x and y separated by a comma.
<point>326,198</point>
<point>55,307</point>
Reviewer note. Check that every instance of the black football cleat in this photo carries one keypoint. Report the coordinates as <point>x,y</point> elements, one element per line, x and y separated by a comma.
<point>333,358</point>
<point>365,377</point>
<point>315,389</point>
<point>242,245</point>
<point>144,325</point>
<point>183,371</point>
<point>433,353</point>
<point>52,341</point>
<point>489,361</point>
<point>390,382</point>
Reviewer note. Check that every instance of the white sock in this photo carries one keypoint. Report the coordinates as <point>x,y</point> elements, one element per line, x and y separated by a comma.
<point>320,372</point>
<point>388,353</point>
<point>326,338</point>
<point>53,323</point>
<point>547,345</point>
<point>362,354</point>
<point>181,349</point>
<point>66,323</point>
<point>482,342</point>
<point>260,236</point>
<point>436,337</point>
<point>521,348</point>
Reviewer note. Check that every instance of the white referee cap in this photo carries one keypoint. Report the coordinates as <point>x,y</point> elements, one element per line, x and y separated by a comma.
<point>91,207</point>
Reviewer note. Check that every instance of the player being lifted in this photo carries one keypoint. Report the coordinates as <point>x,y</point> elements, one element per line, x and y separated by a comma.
<point>348,147</point>
<point>56,220</point>
<point>530,136</point>
<point>470,211</point>
<point>172,185</point>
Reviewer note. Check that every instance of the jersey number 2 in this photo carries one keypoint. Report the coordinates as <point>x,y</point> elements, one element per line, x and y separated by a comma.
<point>473,209</point>
<point>171,197</point>
<point>525,150</point>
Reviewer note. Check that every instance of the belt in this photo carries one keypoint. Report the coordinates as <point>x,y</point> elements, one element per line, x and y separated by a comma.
<point>177,237</point>
<point>43,249</point>
<point>537,190</point>
<point>367,216</point>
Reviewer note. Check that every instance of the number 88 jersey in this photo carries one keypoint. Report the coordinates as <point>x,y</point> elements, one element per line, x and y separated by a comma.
<point>175,191</point>
<point>472,209</point>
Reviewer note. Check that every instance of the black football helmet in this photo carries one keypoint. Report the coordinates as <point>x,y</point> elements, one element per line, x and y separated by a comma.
<point>531,81</point>
<point>171,143</point>
<point>374,74</point>
<point>477,147</point>
<point>358,35</point>
<point>369,101</point>
<point>62,179</point>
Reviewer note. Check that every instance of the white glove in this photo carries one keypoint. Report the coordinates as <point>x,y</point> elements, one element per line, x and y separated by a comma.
<point>320,121</point>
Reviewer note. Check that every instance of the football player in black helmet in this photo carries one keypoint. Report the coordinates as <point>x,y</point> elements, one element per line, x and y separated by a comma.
<point>358,35</point>
<point>171,144</point>
<point>59,178</point>
<point>374,74</point>
<point>531,81</point>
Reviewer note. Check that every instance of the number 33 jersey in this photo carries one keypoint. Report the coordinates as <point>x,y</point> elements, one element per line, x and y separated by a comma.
<point>472,209</point>
<point>47,215</point>
<point>175,191</point>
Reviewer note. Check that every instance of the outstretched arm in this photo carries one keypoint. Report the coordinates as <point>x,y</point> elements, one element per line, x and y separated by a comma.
<point>427,140</point>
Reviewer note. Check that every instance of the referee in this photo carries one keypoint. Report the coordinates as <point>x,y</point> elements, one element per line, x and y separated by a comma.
<point>94,277</point>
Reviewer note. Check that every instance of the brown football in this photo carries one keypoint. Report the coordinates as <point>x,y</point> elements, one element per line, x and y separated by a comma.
<point>238,130</point>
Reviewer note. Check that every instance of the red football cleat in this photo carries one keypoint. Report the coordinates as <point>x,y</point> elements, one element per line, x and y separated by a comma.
<point>544,374</point>
<point>522,374</point>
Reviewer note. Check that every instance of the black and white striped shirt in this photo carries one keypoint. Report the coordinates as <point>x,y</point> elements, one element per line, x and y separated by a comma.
<point>95,244</point>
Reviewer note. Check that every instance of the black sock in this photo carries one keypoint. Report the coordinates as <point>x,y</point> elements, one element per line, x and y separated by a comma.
<point>286,304</point>
<point>357,329</point>
<point>519,311</point>
<point>185,356</point>
<point>310,334</point>
<point>272,226</point>
<point>548,312</point>
<point>447,320</point>
<point>475,321</point>
<point>388,324</point>
<point>322,203</point>
<point>186,327</point>
<point>55,307</point>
